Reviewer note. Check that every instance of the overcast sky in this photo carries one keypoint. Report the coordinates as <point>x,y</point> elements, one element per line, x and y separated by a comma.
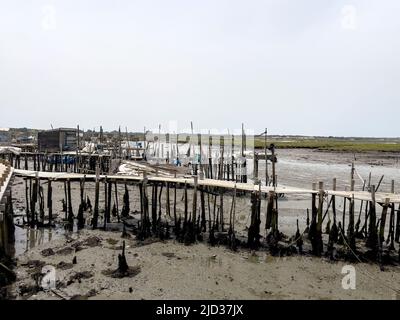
<point>297,67</point>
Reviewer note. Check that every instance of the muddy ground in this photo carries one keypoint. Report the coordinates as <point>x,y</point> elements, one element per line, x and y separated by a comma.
<point>171,270</point>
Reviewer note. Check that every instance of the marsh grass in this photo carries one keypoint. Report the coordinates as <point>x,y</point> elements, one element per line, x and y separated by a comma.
<point>334,144</point>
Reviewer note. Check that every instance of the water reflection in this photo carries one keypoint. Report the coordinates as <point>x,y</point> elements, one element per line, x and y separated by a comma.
<point>28,238</point>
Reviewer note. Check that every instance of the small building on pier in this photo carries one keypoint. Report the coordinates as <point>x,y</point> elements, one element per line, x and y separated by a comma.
<point>4,135</point>
<point>56,140</point>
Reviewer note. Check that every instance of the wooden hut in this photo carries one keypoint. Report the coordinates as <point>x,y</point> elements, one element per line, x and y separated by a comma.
<point>55,140</point>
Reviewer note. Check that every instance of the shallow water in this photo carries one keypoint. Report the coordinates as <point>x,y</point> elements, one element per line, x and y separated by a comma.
<point>301,168</point>
<point>29,238</point>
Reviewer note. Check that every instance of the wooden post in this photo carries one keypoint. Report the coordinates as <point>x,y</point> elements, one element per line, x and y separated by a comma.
<point>168,204</point>
<point>270,207</point>
<point>372,239</point>
<point>344,213</point>
<point>397,231</point>
<point>96,200</point>
<point>175,218</point>
<point>109,190</point>
<point>255,167</point>
<point>200,156</point>
<point>120,142</point>
<point>154,207</point>
<point>41,204</point>
<point>350,230</point>
<point>125,205</point>
<point>352,174</point>
<point>27,200</point>
<point>146,220</point>
<point>185,204</point>
<point>318,245</point>
<point>215,218</point>
<point>70,212</point>
<point>159,201</point>
<point>50,200</point>
<point>244,165</point>
<point>34,197</point>
<point>266,157</point>
<point>82,205</point>
<point>383,221</point>
<point>210,171</point>
<point>334,232</point>
<point>391,222</point>
<point>106,206</point>
<point>231,232</point>
<point>233,174</point>
<point>203,210</point>
<point>273,165</point>
<point>194,202</point>
<point>314,212</point>
<point>253,237</point>
<point>116,199</point>
<point>221,208</point>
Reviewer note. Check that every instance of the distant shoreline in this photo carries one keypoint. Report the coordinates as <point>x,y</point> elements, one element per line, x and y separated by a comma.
<point>334,145</point>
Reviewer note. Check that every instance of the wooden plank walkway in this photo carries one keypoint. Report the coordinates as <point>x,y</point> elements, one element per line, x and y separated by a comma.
<point>62,176</point>
<point>6,173</point>
<point>5,177</point>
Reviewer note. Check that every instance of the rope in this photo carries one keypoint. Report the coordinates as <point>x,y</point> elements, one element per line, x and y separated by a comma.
<point>369,275</point>
<point>363,181</point>
<point>295,240</point>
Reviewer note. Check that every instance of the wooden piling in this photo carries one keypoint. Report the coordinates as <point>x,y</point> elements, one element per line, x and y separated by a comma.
<point>390,238</point>
<point>174,208</point>
<point>185,205</point>
<point>383,220</point>
<point>272,148</point>
<point>70,211</point>
<point>34,192</point>
<point>203,210</point>
<point>95,218</point>
<point>317,243</point>
<point>109,196</point>
<point>314,212</point>
<point>350,230</point>
<point>233,172</point>
<point>372,239</point>
<point>116,200</point>
<point>82,204</point>
<point>397,228</point>
<point>126,203</point>
<point>194,201</point>
<point>221,208</point>
<point>253,235</point>
<point>50,200</point>
<point>270,207</point>
<point>27,201</point>
<point>168,202</point>
<point>154,208</point>
<point>255,167</point>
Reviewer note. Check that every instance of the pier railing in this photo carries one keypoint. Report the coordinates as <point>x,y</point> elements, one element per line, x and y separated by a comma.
<point>6,210</point>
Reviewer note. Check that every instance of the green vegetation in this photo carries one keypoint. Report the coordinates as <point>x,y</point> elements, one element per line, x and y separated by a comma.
<point>334,144</point>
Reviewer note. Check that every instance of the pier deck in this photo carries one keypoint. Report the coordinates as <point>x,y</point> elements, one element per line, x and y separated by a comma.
<point>62,176</point>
